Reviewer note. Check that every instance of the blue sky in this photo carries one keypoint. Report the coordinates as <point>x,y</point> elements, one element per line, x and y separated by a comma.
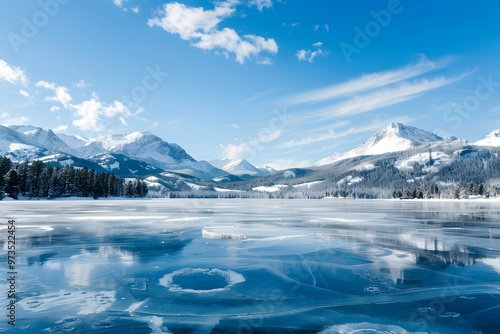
<point>281,83</point>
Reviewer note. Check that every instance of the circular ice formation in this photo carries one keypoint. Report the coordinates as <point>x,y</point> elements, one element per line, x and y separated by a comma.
<point>182,280</point>
<point>366,327</point>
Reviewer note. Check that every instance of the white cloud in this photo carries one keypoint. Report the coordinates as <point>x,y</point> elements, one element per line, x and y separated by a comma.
<point>236,151</point>
<point>293,24</point>
<point>60,128</point>
<point>91,112</point>
<point>249,148</point>
<point>121,3</point>
<point>309,55</point>
<point>265,61</point>
<point>261,4</point>
<point>12,74</point>
<point>54,108</point>
<point>281,164</point>
<point>267,135</point>
<point>327,27</point>
<point>6,119</point>
<point>122,120</point>
<point>309,140</point>
<point>24,93</point>
<point>368,82</point>
<point>200,26</point>
<point>233,125</point>
<point>61,93</point>
<point>80,84</point>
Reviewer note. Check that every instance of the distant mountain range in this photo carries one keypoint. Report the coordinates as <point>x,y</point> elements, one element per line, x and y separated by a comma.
<point>407,155</point>
<point>136,153</point>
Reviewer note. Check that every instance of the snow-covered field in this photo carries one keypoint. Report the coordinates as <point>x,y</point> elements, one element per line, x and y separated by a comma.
<point>254,266</point>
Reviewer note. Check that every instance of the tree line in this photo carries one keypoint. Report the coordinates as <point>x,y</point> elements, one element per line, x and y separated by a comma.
<point>42,180</point>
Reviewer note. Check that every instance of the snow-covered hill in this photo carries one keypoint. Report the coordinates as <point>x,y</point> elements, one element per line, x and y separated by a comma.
<point>238,167</point>
<point>492,139</point>
<point>394,137</point>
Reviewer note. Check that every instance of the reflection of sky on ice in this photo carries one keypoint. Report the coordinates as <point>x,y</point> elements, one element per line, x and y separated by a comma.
<point>245,266</point>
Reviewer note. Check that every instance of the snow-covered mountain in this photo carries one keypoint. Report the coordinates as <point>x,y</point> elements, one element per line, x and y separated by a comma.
<point>43,138</point>
<point>394,137</point>
<point>492,139</point>
<point>141,151</point>
<point>238,167</point>
<point>267,169</point>
<point>147,147</point>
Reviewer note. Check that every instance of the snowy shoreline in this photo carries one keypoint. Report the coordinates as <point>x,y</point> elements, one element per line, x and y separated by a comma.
<point>89,199</point>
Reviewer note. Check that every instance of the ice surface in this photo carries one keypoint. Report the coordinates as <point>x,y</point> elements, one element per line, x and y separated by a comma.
<point>231,278</point>
<point>256,266</point>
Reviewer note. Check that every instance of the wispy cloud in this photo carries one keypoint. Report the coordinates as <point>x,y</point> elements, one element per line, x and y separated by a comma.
<point>365,94</point>
<point>12,74</point>
<point>261,4</point>
<point>329,134</point>
<point>60,129</point>
<point>121,4</point>
<point>24,93</point>
<point>235,151</point>
<point>249,147</point>
<point>80,84</point>
<point>293,24</point>
<point>382,98</point>
<point>6,119</point>
<point>309,55</point>
<point>257,96</point>
<point>280,164</point>
<point>368,82</point>
<point>200,26</point>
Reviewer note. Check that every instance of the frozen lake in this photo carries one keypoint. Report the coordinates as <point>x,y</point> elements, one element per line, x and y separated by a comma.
<point>254,266</point>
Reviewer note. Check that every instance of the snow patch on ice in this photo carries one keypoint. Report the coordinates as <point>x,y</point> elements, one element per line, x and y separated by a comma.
<point>366,327</point>
<point>86,302</point>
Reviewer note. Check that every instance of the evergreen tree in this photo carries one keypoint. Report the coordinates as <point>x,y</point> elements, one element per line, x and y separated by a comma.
<point>129,189</point>
<point>12,184</point>
<point>22,173</point>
